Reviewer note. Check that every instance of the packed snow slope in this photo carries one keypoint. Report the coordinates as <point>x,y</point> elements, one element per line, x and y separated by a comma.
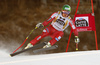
<point>69,58</point>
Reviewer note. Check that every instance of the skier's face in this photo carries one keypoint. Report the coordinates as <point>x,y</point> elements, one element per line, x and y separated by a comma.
<point>65,13</point>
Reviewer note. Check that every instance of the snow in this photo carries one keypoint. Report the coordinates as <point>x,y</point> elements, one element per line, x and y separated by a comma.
<point>69,58</point>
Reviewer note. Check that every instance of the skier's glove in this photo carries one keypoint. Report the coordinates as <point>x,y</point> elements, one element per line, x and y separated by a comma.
<point>77,40</point>
<point>39,25</point>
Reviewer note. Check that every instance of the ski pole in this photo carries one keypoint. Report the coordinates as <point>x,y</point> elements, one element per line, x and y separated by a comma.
<point>76,46</point>
<point>25,39</point>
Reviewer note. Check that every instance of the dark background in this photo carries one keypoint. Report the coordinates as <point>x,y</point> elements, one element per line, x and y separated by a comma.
<point>19,17</point>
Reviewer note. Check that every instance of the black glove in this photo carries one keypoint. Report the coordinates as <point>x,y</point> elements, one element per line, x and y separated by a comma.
<point>39,25</point>
<point>77,40</point>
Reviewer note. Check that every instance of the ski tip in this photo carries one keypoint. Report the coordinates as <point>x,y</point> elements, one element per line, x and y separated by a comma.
<point>10,55</point>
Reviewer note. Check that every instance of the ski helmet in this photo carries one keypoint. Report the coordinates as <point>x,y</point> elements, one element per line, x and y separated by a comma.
<point>66,8</point>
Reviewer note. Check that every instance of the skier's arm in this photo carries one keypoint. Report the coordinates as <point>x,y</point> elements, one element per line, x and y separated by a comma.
<point>75,31</point>
<point>40,25</point>
<point>73,27</point>
<point>50,19</point>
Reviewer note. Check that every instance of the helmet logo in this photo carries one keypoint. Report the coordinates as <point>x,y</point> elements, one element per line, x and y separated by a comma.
<point>67,8</point>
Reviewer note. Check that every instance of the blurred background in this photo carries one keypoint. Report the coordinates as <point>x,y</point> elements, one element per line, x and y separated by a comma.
<point>19,17</point>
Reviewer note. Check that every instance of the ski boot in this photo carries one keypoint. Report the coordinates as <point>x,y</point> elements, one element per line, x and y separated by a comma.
<point>47,45</point>
<point>28,46</point>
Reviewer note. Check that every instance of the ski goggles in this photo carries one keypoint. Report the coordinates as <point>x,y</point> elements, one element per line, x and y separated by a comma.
<point>66,12</point>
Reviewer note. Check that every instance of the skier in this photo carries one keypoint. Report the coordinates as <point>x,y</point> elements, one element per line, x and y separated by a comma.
<point>59,22</point>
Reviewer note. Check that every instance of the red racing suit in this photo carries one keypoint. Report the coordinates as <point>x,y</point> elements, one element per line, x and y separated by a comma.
<point>56,28</point>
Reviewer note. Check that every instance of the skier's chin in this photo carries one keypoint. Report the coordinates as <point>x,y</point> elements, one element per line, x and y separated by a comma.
<point>64,15</point>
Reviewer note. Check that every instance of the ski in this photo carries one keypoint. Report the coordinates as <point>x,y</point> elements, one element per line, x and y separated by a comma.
<point>46,49</point>
<point>34,47</point>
